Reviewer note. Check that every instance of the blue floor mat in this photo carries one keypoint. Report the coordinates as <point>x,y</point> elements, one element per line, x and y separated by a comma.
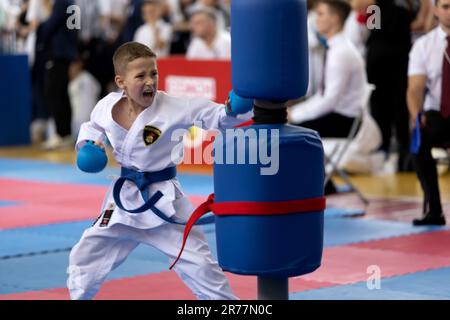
<point>51,172</point>
<point>338,231</point>
<point>331,212</point>
<point>341,231</point>
<point>44,171</point>
<point>8,203</point>
<point>49,271</point>
<point>426,285</point>
<point>46,271</point>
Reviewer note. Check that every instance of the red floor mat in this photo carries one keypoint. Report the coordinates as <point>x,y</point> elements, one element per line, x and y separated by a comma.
<point>431,243</point>
<point>43,203</point>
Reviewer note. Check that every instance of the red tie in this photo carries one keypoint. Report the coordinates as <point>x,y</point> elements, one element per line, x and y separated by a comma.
<point>445,95</point>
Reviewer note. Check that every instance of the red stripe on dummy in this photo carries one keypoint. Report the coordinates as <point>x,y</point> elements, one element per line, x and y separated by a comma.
<point>249,208</point>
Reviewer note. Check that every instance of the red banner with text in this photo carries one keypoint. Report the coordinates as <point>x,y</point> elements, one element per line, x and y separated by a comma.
<point>210,79</point>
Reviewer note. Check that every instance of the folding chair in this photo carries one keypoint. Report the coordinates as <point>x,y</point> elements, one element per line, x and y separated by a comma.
<point>441,154</point>
<point>334,156</point>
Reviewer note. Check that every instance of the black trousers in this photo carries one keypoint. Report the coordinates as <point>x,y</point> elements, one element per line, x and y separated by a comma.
<point>435,133</point>
<point>388,101</point>
<point>56,95</point>
<point>332,125</point>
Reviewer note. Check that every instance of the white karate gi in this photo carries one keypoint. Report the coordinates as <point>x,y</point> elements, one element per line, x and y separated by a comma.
<point>103,248</point>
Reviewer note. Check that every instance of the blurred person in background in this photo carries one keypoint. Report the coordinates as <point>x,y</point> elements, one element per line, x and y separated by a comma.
<point>113,18</point>
<point>10,11</point>
<point>356,30</point>
<point>333,108</point>
<point>181,33</point>
<point>429,104</point>
<point>133,21</point>
<point>387,64</point>
<point>37,13</point>
<point>221,11</point>
<point>84,92</point>
<point>209,42</point>
<point>155,33</point>
<point>59,45</point>
<point>89,34</point>
<point>21,26</point>
<point>316,51</point>
<point>419,25</point>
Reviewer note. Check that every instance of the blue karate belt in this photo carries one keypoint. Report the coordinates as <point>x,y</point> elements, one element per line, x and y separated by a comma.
<point>143,180</point>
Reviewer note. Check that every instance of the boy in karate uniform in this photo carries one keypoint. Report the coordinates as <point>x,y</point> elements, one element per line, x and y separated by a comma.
<point>139,123</point>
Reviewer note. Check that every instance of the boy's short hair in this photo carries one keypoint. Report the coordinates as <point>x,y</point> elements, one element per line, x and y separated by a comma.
<point>128,52</point>
<point>339,7</point>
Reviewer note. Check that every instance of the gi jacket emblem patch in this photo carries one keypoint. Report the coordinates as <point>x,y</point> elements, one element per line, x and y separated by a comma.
<point>151,134</point>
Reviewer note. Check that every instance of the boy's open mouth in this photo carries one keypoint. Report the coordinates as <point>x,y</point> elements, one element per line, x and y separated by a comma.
<point>148,93</point>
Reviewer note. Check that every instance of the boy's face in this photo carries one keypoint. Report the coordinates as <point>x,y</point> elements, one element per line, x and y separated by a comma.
<point>140,81</point>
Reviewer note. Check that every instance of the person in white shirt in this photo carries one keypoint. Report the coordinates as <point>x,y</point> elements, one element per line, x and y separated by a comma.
<point>209,41</point>
<point>221,12</point>
<point>140,123</point>
<point>428,98</point>
<point>357,32</point>
<point>316,50</point>
<point>155,33</point>
<point>84,91</point>
<point>333,108</point>
<point>113,15</point>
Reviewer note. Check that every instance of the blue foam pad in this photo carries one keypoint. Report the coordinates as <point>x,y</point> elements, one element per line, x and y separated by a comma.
<point>341,231</point>
<point>416,286</point>
<point>338,231</point>
<point>8,203</point>
<point>45,271</point>
<point>52,172</point>
<point>343,188</point>
<point>67,230</point>
<point>331,212</point>
<point>18,244</point>
<point>49,271</point>
<point>196,184</point>
<point>360,292</point>
<point>432,282</point>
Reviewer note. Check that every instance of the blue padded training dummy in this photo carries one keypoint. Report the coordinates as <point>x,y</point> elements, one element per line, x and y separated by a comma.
<point>269,224</point>
<point>269,52</point>
<point>91,158</point>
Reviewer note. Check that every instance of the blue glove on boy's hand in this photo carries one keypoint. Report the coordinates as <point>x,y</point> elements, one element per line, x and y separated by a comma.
<point>238,105</point>
<point>91,158</point>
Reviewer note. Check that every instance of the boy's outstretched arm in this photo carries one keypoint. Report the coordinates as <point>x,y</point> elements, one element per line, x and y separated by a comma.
<point>210,115</point>
<point>91,131</point>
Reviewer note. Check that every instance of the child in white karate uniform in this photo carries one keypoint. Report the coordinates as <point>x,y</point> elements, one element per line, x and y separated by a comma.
<point>139,123</point>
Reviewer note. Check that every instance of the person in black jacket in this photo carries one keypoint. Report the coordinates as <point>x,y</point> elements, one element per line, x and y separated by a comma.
<point>57,40</point>
<point>387,67</point>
